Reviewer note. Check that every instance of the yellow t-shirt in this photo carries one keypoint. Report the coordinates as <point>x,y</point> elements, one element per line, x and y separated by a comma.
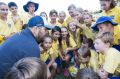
<point>112,61</point>
<point>55,24</point>
<point>101,59</point>
<point>114,13</point>
<point>93,62</point>
<point>71,43</point>
<point>69,19</point>
<point>116,34</point>
<point>64,24</point>
<point>88,32</point>
<point>6,28</point>
<point>55,47</point>
<point>77,39</point>
<point>19,22</point>
<point>46,55</point>
<point>26,17</point>
<point>1,39</point>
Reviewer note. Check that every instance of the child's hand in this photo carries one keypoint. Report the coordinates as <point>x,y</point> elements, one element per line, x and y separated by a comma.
<point>65,51</point>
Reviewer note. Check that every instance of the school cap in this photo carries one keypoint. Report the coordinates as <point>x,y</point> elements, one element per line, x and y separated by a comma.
<point>39,22</point>
<point>101,20</point>
<point>25,7</point>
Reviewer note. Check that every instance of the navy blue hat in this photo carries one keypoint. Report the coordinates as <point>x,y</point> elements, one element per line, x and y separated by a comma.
<point>25,7</point>
<point>103,19</point>
<point>39,22</point>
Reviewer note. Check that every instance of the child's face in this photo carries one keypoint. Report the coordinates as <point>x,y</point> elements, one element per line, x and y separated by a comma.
<point>31,7</point>
<point>13,9</point>
<point>87,19</point>
<point>64,32</point>
<point>105,27</point>
<point>84,59</point>
<point>72,26</point>
<point>77,15</point>
<point>56,35</point>
<point>71,12</point>
<point>61,16</point>
<point>47,43</point>
<point>44,15</point>
<point>3,11</point>
<point>105,4</point>
<point>99,45</point>
<point>53,16</point>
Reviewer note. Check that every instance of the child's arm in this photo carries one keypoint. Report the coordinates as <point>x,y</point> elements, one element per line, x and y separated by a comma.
<point>51,60</point>
<point>60,54</point>
<point>69,49</point>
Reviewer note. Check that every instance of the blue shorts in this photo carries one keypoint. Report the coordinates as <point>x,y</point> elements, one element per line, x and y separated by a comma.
<point>116,47</point>
<point>58,61</point>
<point>70,54</point>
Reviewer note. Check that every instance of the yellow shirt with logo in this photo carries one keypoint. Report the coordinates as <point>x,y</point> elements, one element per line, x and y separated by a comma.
<point>46,55</point>
<point>6,28</point>
<point>112,61</point>
<point>71,43</point>
<point>19,22</point>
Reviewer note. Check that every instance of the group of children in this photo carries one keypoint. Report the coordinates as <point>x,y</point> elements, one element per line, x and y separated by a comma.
<point>76,42</point>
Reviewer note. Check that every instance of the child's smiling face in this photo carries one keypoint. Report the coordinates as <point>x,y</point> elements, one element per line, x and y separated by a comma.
<point>56,35</point>
<point>64,32</point>
<point>47,43</point>
<point>72,26</point>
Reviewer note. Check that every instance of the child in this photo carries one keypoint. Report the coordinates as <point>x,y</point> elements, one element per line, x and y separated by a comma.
<point>109,8</point>
<point>71,9</point>
<point>56,33</point>
<point>53,17</point>
<point>86,73</point>
<point>105,24</point>
<point>28,68</point>
<point>89,21</point>
<point>14,16</point>
<point>67,45</point>
<point>47,53</point>
<point>111,65</point>
<point>44,14</point>
<point>30,8</point>
<point>61,20</point>
<point>74,32</point>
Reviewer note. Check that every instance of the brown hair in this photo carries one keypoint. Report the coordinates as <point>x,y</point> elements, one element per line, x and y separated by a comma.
<point>28,68</point>
<point>106,37</point>
<point>52,12</point>
<point>87,73</point>
<point>72,6</point>
<point>84,51</point>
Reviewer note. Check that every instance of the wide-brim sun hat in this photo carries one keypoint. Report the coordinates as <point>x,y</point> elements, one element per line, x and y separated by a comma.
<point>101,20</point>
<point>25,7</point>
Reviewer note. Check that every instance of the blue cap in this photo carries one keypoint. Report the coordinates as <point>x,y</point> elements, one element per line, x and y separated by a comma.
<point>101,20</point>
<point>39,22</point>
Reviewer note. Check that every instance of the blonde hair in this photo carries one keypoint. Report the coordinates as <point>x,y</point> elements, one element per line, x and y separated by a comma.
<point>106,37</point>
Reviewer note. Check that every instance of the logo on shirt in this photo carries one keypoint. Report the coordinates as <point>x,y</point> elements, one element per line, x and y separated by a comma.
<point>9,25</point>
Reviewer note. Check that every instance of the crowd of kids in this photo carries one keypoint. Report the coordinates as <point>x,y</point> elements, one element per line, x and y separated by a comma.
<point>77,45</point>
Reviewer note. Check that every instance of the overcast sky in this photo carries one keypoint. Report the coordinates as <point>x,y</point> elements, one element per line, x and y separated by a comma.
<point>47,5</point>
